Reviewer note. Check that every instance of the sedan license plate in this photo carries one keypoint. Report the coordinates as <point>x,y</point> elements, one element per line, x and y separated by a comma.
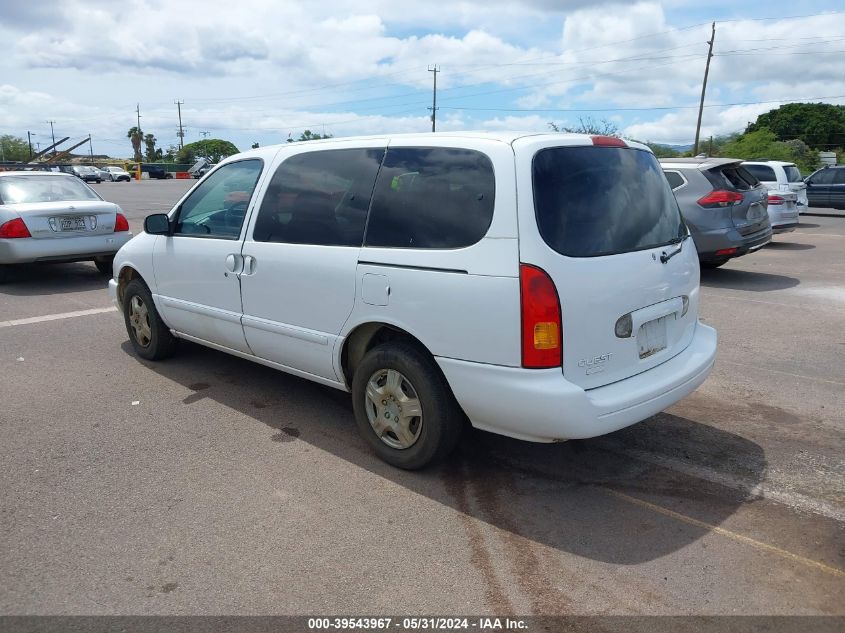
<point>72,224</point>
<point>652,337</point>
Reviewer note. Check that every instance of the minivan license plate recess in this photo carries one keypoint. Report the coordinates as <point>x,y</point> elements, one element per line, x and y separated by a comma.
<point>651,337</point>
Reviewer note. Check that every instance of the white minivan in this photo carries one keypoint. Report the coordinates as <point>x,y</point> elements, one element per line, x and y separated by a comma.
<point>539,286</point>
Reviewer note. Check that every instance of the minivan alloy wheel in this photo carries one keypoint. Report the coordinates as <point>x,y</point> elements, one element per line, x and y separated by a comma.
<point>139,320</point>
<point>393,409</point>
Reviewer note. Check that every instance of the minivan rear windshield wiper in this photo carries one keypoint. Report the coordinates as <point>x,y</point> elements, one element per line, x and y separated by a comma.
<point>676,240</point>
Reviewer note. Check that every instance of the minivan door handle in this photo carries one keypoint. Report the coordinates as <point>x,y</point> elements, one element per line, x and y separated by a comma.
<point>234,263</point>
<point>249,264</point>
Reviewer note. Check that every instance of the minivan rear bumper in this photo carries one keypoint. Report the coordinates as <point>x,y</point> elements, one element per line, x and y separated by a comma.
<point>542,406</point>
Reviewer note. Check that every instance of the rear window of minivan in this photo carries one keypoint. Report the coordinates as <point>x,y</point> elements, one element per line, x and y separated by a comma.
<point>792,174</point>
<point>594,201</point>
<point>763,173</point>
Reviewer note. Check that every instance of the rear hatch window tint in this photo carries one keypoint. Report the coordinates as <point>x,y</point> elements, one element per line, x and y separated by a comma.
<point>594,201</point>
<point>737,178</point>
<point>793,174</point>
<point>762,172</point>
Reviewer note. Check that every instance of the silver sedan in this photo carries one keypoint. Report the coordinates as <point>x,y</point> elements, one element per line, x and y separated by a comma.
<point>48,216</point>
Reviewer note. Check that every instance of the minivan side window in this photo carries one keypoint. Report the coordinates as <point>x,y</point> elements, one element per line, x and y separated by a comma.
<point>217,207</point>
<point>431,197</point>
<point>319,198</point>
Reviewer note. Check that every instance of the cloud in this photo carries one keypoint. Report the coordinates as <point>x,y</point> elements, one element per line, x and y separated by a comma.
<point>256,70</point>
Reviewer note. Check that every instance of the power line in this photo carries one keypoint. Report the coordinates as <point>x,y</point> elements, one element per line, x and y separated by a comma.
<point>641,108</point>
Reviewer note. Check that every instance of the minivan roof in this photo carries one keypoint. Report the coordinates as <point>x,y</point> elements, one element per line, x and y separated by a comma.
<point>500,137</point>
<point>700,163</point>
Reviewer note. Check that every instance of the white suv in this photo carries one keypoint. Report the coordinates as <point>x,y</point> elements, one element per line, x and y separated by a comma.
<point>780,176</point>
<point>541,286</point>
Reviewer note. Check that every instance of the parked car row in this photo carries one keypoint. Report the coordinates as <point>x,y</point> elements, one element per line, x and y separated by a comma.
<point>734,207</point>
<point>544,287</point>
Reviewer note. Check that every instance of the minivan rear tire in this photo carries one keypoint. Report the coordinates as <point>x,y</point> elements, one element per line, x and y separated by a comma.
<point>156,342</point>
<point>711,265</point>
<point>442,419</point>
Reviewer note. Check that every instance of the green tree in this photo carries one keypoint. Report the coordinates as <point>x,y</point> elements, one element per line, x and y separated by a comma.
<point>308,135</point>
<point>819,125</point>
<point>214,149</point>
<point>762,144</point>
<point>150,143</point>
<point>13,148</point>
<point>135,136</point>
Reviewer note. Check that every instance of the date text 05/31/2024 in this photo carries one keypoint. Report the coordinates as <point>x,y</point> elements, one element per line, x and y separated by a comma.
<point>418,624</point>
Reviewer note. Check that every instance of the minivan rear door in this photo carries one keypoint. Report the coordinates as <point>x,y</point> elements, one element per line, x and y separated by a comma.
<point>602,222</point>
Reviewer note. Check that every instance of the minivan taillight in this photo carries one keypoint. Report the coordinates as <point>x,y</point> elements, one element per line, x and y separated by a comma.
<point>14,228</point>
<point>720,198</point>
<point>542,330</point>
<point>120,223</point>
<point>776,200</point>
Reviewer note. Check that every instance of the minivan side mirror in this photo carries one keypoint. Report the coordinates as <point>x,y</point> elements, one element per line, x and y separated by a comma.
<point>157,224</point>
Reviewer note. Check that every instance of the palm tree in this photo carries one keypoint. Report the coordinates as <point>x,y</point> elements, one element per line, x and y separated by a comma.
<point>135,135</point>
<point>150,142</point>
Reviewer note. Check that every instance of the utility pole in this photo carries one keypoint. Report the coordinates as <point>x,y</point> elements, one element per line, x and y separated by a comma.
<point>181,134</point>
<point>433,107</point>
<point>90,148</point>
<point>53,134</point>
<point>704,88</point>
<point>138,112</point>
<point>29,136</point>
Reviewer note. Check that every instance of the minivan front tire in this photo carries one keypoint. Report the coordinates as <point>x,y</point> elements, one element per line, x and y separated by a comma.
<point>150,337</point>
<point>393,382</point>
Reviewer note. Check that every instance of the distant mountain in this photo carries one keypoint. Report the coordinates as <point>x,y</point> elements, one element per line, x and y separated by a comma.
<point>677,148</point>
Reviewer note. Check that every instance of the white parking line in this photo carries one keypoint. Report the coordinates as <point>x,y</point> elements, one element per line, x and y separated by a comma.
<point>55,317</point>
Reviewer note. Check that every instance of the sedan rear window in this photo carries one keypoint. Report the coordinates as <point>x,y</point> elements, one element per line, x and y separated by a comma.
<point>593,201</point>
<point>24,189</point>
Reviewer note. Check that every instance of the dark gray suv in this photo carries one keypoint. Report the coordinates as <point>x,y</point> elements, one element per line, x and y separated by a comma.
<point>723,205</point>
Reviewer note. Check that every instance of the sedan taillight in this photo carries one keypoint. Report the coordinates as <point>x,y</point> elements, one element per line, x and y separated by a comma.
<point>120,223</point>
<point>776,200</point>
<point>14,228</point>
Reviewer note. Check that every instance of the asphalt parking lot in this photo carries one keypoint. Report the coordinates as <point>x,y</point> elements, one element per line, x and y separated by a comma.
<point>210,485</point>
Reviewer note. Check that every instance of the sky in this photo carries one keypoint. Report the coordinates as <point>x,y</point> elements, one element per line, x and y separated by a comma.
<point>263,70</point>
